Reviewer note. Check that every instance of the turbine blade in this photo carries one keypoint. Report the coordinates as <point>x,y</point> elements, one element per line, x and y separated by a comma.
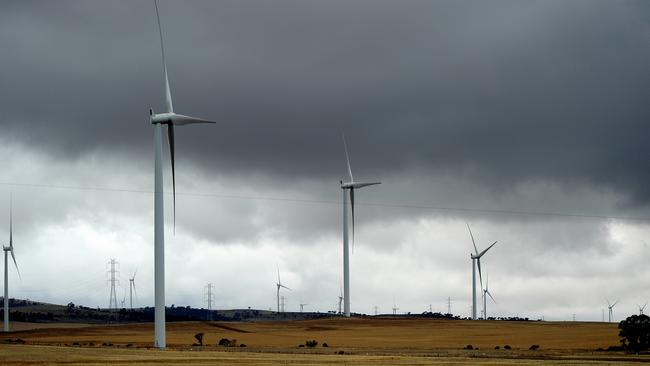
<point>11,222</point>
<point>168,94</point>
<point>615,302</point>
<point>489,294</point>
<point>182,120</point>
<point>285,287</point>
<point>15,264</point>
<point>472,236</point>
<point>347,156</point>
<point>361,185</point>
<point>134,273</point>
<point>352,206</point>
<point>170,131</point>
<point>486,249</point>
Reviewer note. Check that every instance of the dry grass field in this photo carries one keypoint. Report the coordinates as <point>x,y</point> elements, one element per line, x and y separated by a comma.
<point>362,342</point>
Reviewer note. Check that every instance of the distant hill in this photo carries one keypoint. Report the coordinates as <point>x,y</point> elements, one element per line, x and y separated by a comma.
<point>34,311</point>
<point>40,312</point>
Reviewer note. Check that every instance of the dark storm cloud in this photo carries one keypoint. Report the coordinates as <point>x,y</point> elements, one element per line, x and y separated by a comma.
<point>499,92</point>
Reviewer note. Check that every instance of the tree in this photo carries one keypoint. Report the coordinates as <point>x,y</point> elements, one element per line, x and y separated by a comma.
<point>635,333</point>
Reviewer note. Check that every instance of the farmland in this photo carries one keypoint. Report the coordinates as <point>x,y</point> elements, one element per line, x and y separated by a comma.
<point>356,341</point>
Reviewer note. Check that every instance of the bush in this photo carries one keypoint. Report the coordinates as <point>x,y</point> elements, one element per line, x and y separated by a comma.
<point>635,333</point>
<point>341,353</point>
<point>325,345</point>
<point>312,343</point>
<point>469,346</point>
<point>497,347</point>
<point>199,338</point>
<point>301,345</point>
<point>15,341</point>
<point>615,348</point>
<point>507,346</point>
<point>242,345</point>
<point>534,347</point>
<point>227,342</point>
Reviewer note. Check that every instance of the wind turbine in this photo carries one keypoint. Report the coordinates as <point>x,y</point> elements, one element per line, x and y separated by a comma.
<point>9,249</point>
<point>642,308</point>
<point>351,186</point>
<point>486,293</point>
<point>476,261</point>
<point>302,306</point>
<point>170,119</point>
<point>278,285</point>
<point>132,288</point>
<point>610,307</point>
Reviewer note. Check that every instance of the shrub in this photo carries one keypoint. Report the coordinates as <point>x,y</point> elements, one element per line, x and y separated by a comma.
<point>199,338</point>
<point>469,346</point>
<point>312,343</point>
<point>497,347</point>
<point>635,333</point>
<point>228,342</point>
<point>615,348</point>
<point>76,344</point>
<point>507,346</point>
<point>242,345</point>
<point>15,341</point>
<point>325,345</point>
<point>341,353</point>
<point>534,347</point>
<point>301,345</point>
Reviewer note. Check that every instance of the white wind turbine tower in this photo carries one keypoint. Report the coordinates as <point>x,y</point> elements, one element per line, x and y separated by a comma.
<point>351,186</point>
<point>132,288</point>
<point>9,249</point>
<point>610,307</point>
<point>486,293</point>
<point>642,308</point>
<point>278,285</point>
<point>476,261</point>
<point>170,119</point>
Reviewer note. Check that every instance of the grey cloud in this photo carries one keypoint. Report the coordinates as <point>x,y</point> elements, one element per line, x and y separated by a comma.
<point>510,91</point>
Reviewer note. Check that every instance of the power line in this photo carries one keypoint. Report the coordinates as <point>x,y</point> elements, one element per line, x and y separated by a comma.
<point>473,210</point>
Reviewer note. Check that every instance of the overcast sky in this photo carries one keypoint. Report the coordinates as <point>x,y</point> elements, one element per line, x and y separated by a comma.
<point>479,112</point>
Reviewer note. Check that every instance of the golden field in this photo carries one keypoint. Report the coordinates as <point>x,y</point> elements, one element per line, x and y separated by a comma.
<point>363,341</point>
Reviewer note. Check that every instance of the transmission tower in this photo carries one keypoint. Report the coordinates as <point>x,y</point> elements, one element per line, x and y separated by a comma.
<point>208,294</point>
<point>112,274</point>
